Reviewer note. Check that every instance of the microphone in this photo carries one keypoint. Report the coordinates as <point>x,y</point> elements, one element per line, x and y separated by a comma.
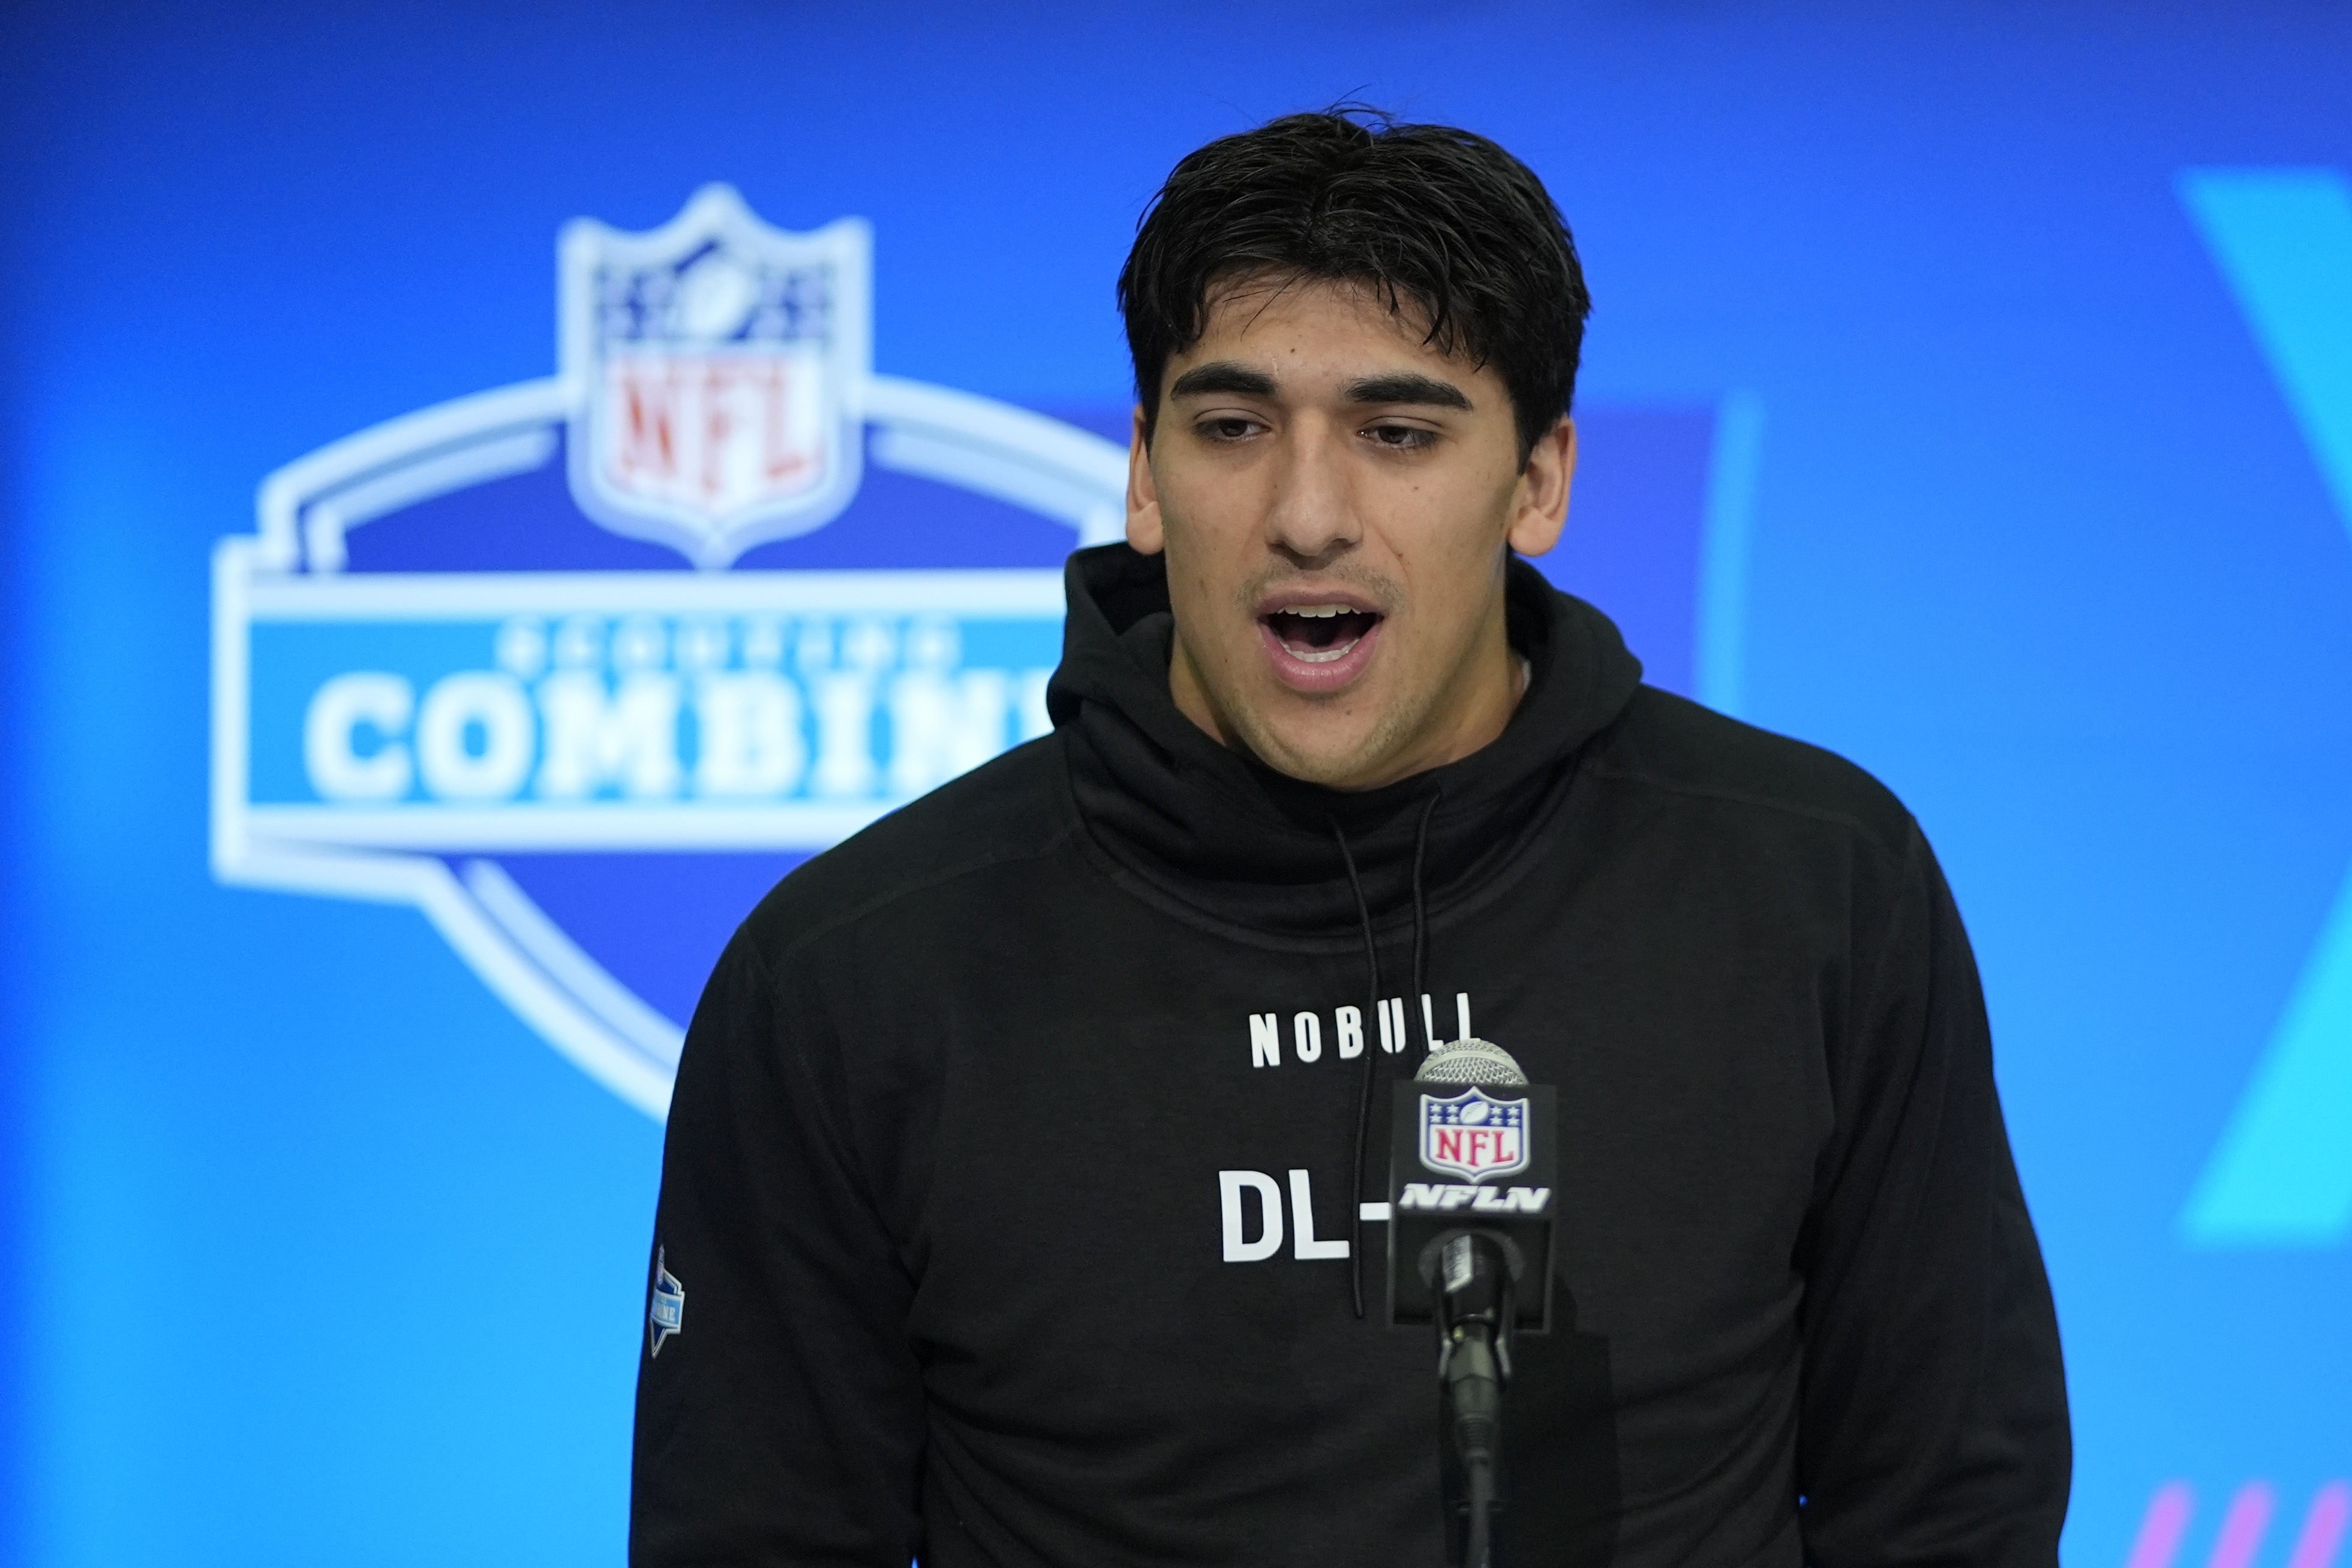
<point>1470,1251</point>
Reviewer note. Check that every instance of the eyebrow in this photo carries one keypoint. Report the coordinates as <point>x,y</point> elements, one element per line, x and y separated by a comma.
<point>1407,387</point>
<point>1223,375</point>
<point>1400,387</point>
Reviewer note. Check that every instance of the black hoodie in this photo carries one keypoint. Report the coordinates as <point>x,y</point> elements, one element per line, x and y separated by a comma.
<point>987,1115</point>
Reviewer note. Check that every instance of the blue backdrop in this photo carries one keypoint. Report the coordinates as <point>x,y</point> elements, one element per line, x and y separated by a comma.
<point>1970,389</point>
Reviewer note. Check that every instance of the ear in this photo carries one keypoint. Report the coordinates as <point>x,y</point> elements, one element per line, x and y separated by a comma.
<point>1144,530</point>
<point>1539,511</point>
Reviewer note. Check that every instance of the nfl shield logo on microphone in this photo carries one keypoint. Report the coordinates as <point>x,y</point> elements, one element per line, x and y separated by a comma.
<point>1473,1136</point>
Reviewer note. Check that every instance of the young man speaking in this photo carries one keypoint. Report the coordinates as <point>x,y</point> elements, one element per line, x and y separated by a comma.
<point>1015,1168</point>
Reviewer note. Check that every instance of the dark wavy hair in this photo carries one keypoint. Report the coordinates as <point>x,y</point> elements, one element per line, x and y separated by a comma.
<point>1441,217</point>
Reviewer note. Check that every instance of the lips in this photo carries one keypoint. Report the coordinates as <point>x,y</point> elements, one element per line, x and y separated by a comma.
<point>1318,647</point>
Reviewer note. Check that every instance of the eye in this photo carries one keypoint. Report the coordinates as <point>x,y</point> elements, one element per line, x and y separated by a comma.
<point>1401,438</point>
<point>1228,427</point>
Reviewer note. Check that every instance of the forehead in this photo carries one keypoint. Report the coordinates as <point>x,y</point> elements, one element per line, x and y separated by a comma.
<point>1298,324</point>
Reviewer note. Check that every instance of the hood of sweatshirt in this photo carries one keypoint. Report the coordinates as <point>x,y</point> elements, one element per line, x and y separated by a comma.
<point>1240,844</point>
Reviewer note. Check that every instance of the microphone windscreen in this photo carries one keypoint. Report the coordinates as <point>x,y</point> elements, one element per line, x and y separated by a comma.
<point>1470,1061</point>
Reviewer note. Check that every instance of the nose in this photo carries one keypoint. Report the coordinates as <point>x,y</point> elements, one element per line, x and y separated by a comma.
<point>1313,517</point>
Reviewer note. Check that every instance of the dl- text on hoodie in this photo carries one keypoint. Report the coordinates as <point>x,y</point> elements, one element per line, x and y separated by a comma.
<point>987,1115</point>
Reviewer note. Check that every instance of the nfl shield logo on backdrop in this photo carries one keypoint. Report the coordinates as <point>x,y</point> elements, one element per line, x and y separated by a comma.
<point>1473,1136</point>
<point>717,364</point>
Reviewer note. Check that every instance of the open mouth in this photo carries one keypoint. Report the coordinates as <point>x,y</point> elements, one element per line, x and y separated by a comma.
<point>1320,633</point>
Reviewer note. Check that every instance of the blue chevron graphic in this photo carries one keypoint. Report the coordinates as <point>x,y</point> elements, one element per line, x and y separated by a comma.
<point>2281,1174</point>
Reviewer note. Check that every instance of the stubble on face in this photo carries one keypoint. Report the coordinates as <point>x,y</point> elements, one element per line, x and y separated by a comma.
<point>1331,756</point>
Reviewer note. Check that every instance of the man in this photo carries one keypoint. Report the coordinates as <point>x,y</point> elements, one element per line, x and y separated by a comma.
<point>1010,1212</point>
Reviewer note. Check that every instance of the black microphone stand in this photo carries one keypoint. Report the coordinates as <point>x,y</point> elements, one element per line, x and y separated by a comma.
<point>1470,1274</point>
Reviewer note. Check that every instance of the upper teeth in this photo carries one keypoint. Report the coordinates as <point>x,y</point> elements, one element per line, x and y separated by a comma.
<point>1318,612</point>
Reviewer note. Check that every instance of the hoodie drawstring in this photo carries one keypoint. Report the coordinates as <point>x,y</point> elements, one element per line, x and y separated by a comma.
<point>1420,907</point>
<point>1372,964</point>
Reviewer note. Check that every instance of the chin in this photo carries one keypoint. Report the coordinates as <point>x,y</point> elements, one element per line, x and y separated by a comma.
<point>1335,761</point>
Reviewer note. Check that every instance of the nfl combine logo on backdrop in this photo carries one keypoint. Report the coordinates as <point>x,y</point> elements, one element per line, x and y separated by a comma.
<point>543,661</point>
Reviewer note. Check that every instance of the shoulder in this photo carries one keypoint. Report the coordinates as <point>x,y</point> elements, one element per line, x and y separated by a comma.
<point>1006,812</point>
<point>1669,745</point>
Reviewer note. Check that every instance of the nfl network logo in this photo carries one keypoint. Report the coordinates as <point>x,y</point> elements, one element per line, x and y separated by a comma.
<point>1473,1136</point>
<point>531,661</point>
